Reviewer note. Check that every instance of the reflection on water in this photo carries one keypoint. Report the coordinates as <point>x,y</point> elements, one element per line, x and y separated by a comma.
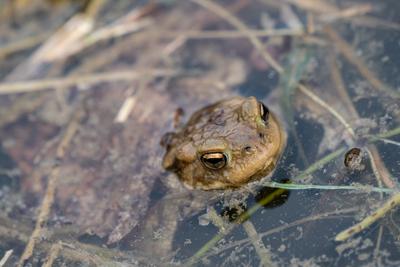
<point>81,182</point>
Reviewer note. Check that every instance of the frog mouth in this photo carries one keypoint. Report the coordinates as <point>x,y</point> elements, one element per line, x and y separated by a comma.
<point>263,173</point>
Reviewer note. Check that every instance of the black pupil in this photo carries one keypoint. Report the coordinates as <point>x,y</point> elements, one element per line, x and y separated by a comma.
<point>214,161</point>
<point>264,112</point>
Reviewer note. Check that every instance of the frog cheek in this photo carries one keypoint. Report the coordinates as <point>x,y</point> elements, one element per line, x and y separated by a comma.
<point>186,152</point>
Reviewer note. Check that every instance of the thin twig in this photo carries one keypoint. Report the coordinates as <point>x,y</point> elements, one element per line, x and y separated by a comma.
<point>58,45</point>
<point>53,254</point>
<point>379,168</point>
<point>221,34</point>
<point>379,213</point>
<point>347,13</point>
<point>262,252</point>
<point>378,243</point>
<point>310,23</point>
<point>217,220</point>
<point>318,6</point>
<point>340,86</point>
<point>7,255</point>
<point>106,33</point>
<point>328,107</point>
<point>93,8</point>
<point>21,45</point>
<point>69,35</point>
<point>88,79</point>
<point>373,22</point>
<point>44,211</point>
<point>220,11</point>
<point>125,109</point>
<point>48,199</point>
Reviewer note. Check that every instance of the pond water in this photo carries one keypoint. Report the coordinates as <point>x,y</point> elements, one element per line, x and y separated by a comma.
<point>89,88</point>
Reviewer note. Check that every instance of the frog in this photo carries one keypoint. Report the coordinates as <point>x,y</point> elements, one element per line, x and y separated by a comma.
<point>112,177</point>
<point>225,145</point>
<point>218,157</point>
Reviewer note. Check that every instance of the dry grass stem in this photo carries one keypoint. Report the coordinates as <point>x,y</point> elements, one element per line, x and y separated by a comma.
<point>313,40</point>
<point>87,80</point>
<point>223,13</point>
<point>66,38</point>
<point>125,110</point>
<point>94,8</point>
<point>310,23</point>
<point>256,240</point>
<point>81,39</point>
<point>59,44</point>
<point>378,242</point>
<point>340,87</point>
<point>379,167</point>
<point>325,105</point>
<point>53,254</point>
<point>375,23</point>
<point>137,13</point>
<point>21,45</point>
<point>217,220</point>
<point>365,223</point>
<point>44,211</point>
<point>347,51</point>
<point>169,49</point>
<point>7,255</point>
<point>47,202</point>
<point>347,13</point>
<point>317,6</point>
<point>106,33</point>
<point>117,30</point>
<point>220,34</point>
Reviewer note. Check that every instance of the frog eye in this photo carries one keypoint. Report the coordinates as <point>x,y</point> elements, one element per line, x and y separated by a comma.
<point>214,160</point>
<point>264,112</point>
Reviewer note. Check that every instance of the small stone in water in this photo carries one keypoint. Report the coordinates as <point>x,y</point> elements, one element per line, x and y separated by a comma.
<point>353,159</point>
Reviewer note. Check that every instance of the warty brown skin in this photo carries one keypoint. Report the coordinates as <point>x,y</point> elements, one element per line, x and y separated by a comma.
<point>226,145</point>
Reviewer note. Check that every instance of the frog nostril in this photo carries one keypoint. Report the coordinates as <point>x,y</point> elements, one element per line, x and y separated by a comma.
<point>248,149</point>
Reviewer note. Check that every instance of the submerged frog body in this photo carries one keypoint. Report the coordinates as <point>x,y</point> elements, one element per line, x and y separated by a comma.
<point>226,145</point>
